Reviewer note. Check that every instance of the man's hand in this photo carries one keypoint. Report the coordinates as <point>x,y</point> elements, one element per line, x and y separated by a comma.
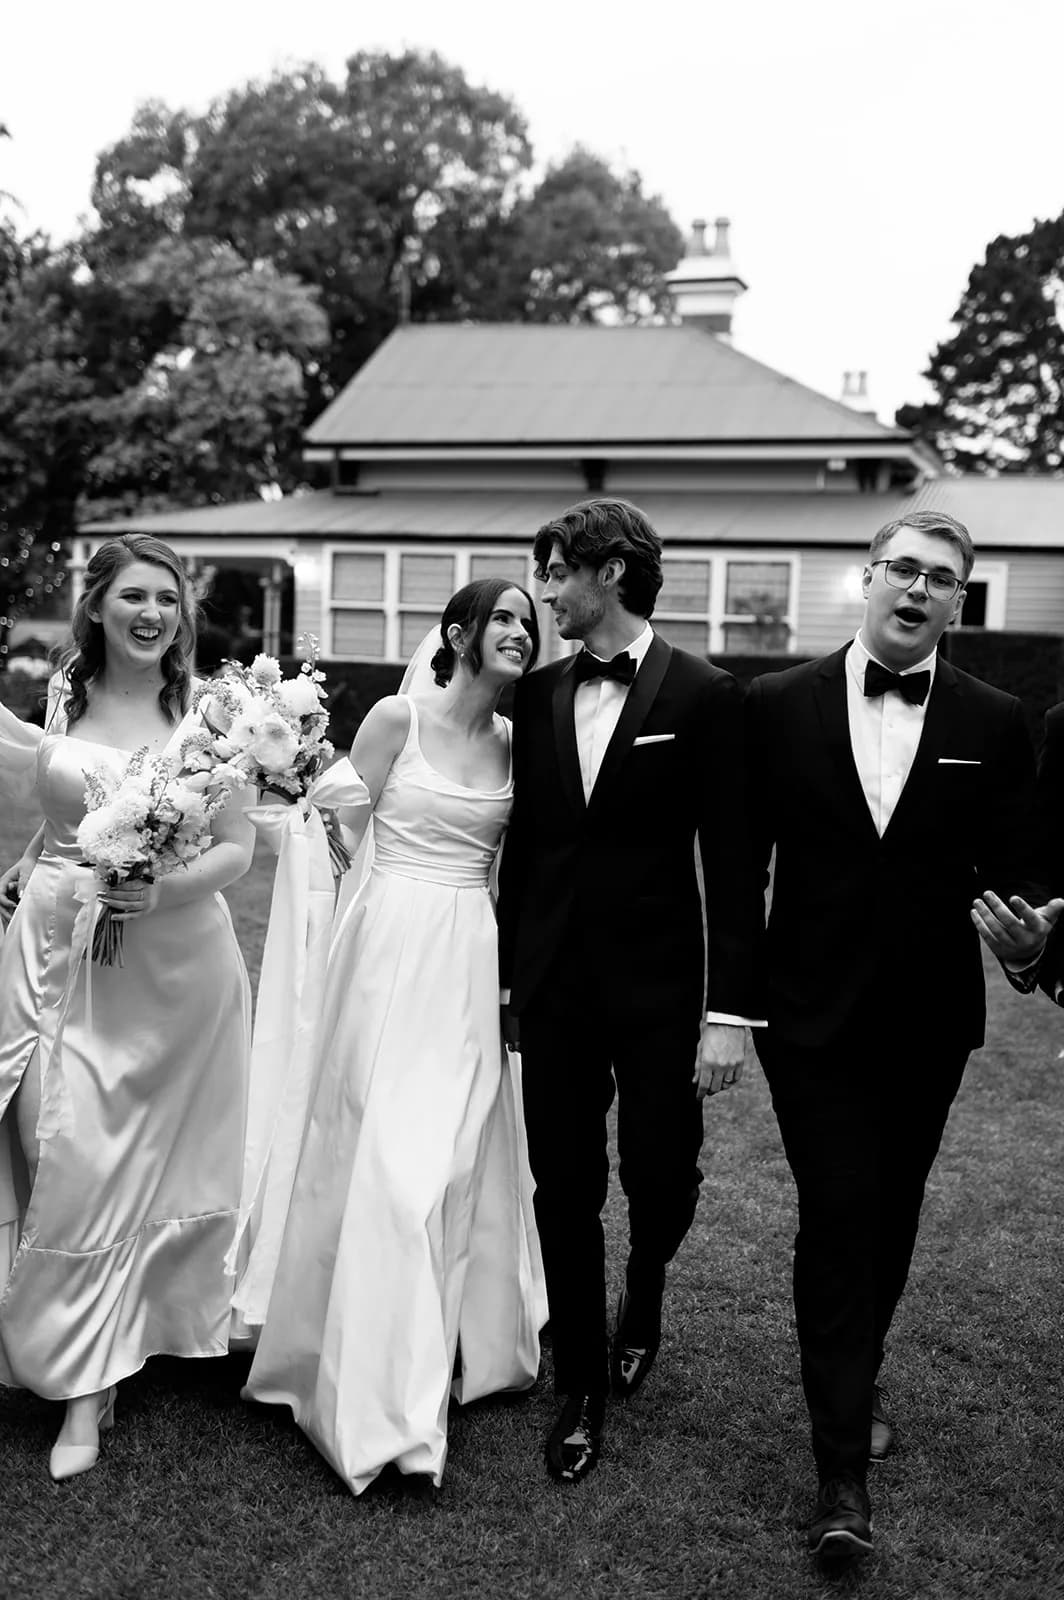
<point>721,1052</point>
<point>1017,932</point>
<point>511,1028</point>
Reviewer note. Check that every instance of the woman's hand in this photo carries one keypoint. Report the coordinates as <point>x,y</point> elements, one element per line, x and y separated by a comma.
<point>13,885</point>
<point>136,897</point>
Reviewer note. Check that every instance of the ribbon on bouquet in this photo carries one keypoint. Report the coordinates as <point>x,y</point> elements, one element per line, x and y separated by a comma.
<point>56,1113</point>
<point>284,1037</point>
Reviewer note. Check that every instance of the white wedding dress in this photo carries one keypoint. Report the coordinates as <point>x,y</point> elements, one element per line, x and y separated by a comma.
<point>409,1270</point>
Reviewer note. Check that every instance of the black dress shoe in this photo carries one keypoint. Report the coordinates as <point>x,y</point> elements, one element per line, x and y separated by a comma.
<point>635,1343</point>
<point>882,1441</point>
<point>841,1529</point>
<point>574,1442</point>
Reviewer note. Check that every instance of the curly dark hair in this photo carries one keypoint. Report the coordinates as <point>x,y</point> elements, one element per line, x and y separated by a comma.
<point>82,658</point>
<point>471,609</point>
<point>596,531</point>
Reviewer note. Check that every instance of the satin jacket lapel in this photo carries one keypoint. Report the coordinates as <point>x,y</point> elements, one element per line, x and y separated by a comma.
<point>942,707</point>
<point>835,723</point>
<point>565,737</point>
<point>641,697</point>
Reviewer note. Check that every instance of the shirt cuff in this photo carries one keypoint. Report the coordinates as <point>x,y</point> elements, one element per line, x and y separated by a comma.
<point>504,996</point>
<point>736,1022</point>
<point>1024,978</point>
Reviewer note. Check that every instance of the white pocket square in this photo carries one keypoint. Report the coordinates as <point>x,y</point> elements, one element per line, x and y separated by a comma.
<point>654,738</point>
<point>957,761</point>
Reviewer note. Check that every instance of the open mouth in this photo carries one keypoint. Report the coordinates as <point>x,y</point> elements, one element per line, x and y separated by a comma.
<point>512,653</point>
<point>146,635</point>
<point>911,615</point>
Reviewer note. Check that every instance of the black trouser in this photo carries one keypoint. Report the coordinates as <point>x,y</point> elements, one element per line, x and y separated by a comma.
<point>861,1123</point>
<point>576,1042</point>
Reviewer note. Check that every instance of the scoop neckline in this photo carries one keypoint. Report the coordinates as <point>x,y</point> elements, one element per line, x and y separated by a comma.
<point>415,728</point>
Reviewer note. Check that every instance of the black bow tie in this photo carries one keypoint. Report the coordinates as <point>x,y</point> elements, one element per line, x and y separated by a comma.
<point>621,669</point>
<point>912,686</point>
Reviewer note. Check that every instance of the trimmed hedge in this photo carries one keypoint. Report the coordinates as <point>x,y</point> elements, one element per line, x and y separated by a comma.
<point>1028,665</point>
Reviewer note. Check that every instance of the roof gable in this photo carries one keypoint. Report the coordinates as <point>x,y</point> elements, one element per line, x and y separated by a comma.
<point>533,384</point>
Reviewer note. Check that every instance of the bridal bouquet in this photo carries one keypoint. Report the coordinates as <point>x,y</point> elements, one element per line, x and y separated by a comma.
<point>144,822</point>
<point>269,729</point>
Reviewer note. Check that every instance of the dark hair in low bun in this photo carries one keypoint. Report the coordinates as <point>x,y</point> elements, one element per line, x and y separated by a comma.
<point>470,610</point>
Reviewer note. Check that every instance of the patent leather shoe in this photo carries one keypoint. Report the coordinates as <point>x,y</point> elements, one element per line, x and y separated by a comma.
<point>841,1528</point>
<point>574,1442</point>
<point>882,1439</point>
<point>68,1460</point>
<point>635,1344</point>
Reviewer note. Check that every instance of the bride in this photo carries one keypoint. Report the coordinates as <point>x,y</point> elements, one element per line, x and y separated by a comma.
<point>409,1270</point>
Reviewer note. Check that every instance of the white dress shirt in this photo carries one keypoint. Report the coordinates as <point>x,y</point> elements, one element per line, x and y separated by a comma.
<point>597,710</point>
<point>884,733</point>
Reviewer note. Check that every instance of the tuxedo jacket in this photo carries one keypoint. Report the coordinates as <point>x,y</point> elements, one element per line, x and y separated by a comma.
<point>1049,805</point>
<point>623,863</point>
<point>879,928</point>
<point>1048,843</point>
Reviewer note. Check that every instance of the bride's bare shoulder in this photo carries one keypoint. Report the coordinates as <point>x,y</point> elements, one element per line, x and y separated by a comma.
<point>386,723</point>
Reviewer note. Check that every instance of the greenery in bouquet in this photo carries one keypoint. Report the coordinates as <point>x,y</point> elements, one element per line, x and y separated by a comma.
<point>144,821</point>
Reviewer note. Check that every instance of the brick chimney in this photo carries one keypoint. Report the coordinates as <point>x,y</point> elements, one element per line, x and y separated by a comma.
<point>855,393</point>
<point>705,284</point>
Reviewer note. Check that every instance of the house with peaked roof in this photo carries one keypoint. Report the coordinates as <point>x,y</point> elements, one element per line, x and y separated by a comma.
<point>454,443</point>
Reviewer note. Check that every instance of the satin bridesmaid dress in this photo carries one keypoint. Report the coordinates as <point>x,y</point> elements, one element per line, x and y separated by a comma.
<point>117,1252</point>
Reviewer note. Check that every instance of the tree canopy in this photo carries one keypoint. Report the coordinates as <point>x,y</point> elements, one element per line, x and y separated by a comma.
<point>244,262</point>
<point>999,377</point>
<point>403,186</point>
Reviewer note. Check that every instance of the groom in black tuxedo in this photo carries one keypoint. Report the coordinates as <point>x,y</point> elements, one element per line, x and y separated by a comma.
<point>623,754</point>
<point>894,790</point>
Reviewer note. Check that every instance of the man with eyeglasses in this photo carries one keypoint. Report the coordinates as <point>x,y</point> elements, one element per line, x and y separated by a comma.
<point>893,789</point>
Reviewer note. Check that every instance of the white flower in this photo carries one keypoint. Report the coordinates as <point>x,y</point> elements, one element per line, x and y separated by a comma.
<point>198,761</point>
<point>298,696</point>
<point>200,777</point>
<point>109,848</point>
<point>274,745</point>
<point>189,805</point>
<point>242,733</point>
<point>264,670</point>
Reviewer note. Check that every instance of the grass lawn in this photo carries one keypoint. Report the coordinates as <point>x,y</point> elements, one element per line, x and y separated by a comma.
<point>705,1477</point>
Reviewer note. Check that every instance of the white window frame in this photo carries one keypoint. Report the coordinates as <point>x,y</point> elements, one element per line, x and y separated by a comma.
<point>995,574</point>
<point>392,607</point>
<point>716,617</point>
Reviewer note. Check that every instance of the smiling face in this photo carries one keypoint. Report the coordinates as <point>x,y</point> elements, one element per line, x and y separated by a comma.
<point>140,613</point>
<point>902,626</point>
<point>576,595</point>
<point>506,642</point>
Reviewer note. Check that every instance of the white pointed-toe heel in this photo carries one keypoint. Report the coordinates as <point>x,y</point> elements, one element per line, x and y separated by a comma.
<point>67,1460</point>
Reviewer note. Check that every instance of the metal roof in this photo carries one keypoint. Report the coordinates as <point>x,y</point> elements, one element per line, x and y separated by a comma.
<point>524,384</point>
<point>1017,513</point>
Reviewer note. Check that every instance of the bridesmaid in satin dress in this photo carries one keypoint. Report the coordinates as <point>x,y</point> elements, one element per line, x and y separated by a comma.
<point>409,1270</point>
<point>122,1111</point>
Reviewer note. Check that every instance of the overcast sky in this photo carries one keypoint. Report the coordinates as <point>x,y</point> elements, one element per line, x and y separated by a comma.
<point>865,153</point>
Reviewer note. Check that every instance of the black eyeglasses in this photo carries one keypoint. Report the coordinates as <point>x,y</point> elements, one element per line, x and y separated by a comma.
<point>903,574</point>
